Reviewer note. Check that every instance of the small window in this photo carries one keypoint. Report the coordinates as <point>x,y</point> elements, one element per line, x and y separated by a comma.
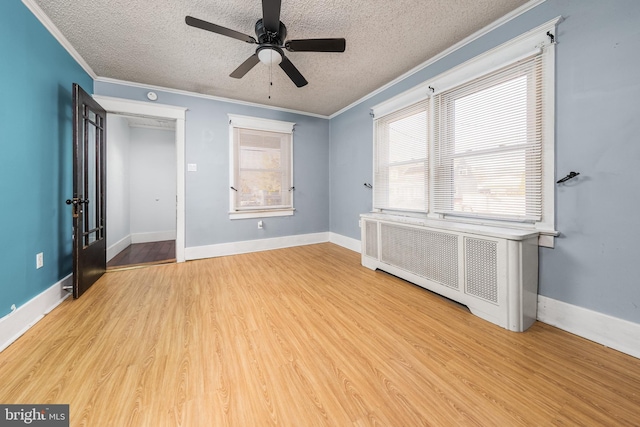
<point>261,167</point>
<point>402,169</point>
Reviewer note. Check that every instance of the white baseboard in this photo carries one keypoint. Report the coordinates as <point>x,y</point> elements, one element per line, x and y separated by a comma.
<point>118,247</point>
<point>345,242</point>
<point>609,331</point>
<point>234,248</point>
<point>156,236</point>
<point>14,324</point>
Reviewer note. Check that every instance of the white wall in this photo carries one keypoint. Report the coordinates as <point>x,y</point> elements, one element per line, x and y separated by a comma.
<point>153,186</point>
<point>118,154</point>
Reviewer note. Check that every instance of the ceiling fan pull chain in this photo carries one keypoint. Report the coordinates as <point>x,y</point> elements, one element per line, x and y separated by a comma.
<point>270,78</point>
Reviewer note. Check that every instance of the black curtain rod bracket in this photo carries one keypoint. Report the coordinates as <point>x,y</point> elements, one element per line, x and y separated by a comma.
<point>551,37</point>
<point>568,177</point>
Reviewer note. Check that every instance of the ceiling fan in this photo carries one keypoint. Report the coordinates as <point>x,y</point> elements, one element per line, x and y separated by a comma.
<point>271,34</point>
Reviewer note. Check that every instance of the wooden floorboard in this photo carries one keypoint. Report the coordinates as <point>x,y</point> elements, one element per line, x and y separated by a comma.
<point>304,336</point>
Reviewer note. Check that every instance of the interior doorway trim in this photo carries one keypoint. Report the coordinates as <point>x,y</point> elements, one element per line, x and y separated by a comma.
<point>126,106</point>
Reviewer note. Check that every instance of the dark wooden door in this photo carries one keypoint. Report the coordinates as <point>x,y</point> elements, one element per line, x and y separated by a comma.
<point>89,200</point>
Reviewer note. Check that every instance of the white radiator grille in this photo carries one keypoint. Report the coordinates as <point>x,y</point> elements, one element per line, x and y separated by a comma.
<point>482,268</point>
<point>428,254</point>
<point>371,230</point>
<point>491,270</point>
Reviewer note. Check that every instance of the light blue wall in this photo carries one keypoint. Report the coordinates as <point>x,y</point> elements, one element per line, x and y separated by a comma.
<point>596,260</point>
<point>207,190</point>
<point>36,74</point>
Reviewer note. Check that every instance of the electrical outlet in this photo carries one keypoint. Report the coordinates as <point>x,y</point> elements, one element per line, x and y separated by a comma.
<point>40,260</point>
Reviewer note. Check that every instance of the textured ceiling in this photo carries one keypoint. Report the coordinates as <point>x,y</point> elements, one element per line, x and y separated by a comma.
<point>149,43</point>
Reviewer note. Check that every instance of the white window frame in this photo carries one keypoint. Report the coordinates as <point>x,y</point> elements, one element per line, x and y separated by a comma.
<point>530,43</point>
<point>255,123</point>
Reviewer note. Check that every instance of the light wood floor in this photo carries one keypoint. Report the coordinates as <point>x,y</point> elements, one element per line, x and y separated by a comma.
<point>304,337</point>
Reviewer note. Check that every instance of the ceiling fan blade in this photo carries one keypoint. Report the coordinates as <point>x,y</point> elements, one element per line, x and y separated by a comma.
<point>244,68</point>
<point>204,25</point>
<point>316,45</point>
<point>292,72</point>
<point>271,15</point>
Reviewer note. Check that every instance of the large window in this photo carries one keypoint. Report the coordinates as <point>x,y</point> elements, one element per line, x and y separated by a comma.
<point>474,144</point>
<point>261,167</point>
<point>489,144</point>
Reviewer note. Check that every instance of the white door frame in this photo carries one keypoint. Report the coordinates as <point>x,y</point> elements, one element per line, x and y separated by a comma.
<point>126,106</point>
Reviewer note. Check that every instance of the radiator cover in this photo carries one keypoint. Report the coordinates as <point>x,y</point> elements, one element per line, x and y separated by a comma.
<point>491,270</point>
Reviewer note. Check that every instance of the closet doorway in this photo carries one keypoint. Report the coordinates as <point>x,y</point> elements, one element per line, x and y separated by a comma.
<point>141,191</point>
<point>145,183</point>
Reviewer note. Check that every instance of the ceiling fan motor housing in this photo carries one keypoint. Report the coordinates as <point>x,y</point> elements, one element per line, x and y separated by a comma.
<point>267,37</point>
<point>270,41</point>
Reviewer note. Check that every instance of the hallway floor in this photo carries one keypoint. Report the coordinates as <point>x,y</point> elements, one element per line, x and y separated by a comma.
<point>145,253</point>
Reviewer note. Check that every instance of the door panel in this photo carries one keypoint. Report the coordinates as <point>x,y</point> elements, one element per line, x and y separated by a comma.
<point>89,201</point>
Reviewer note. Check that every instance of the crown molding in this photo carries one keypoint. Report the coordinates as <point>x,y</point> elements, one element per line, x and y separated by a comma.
<point>55,32</point>
<point>204,96</point>
<point>483,31</point>
<point>48,24</point>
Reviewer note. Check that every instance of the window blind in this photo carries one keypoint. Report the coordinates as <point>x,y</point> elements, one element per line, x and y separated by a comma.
<point>488,145</point>
<point>401,160</point>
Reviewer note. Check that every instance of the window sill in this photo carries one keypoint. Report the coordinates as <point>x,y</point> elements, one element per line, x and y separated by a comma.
<point>266,213</point>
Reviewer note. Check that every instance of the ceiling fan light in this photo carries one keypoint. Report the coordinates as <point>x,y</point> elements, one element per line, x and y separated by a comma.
<point>269,56</point>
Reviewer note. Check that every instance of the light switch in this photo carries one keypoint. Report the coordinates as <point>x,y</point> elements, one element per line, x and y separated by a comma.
<point>192,167</point>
